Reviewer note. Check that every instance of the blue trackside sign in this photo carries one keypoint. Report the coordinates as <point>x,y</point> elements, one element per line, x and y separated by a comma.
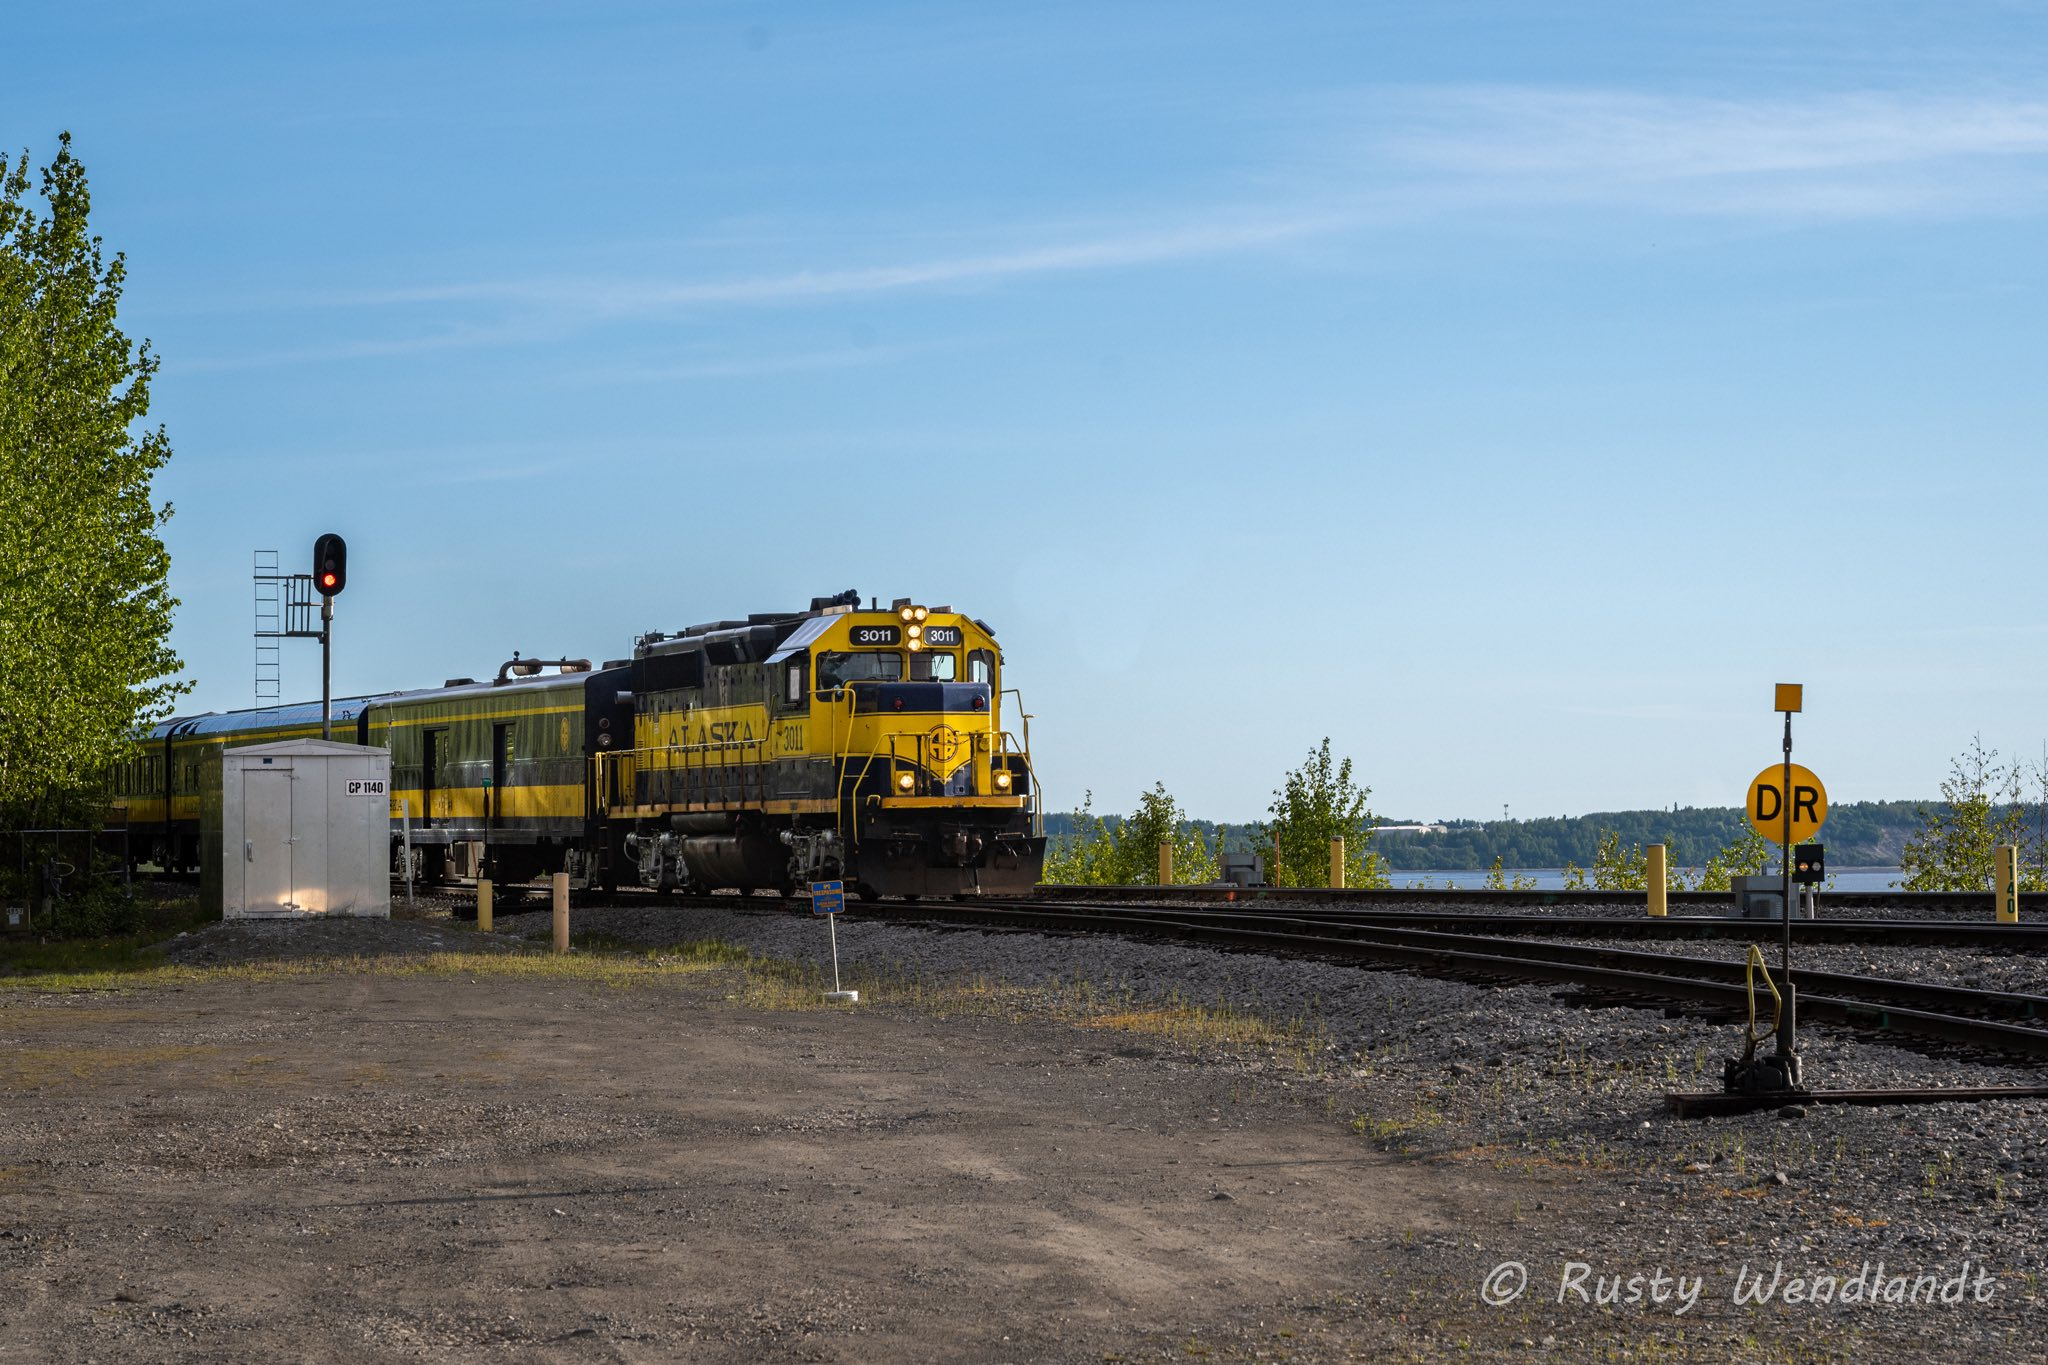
<point>828,898</point>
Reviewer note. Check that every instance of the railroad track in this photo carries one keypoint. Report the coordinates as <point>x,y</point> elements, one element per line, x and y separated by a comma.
<point>1959,932</point>
<point>2032,904</point>
<point>2004,1023</point>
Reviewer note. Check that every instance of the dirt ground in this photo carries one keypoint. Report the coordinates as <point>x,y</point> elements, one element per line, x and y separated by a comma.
<point>423,1161</point>
<point>369,1166</point>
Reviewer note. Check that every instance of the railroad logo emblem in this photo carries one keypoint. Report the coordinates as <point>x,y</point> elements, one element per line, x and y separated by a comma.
<point>943,743</point>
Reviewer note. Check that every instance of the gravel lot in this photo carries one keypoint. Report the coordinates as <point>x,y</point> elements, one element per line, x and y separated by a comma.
<point>1467,1077</point>
<point>396,1162</point>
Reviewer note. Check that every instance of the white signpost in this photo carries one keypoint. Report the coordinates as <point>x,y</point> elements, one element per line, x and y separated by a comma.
<point>829,899</point>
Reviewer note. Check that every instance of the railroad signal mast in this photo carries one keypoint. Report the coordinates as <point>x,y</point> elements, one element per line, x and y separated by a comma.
<point>1791,697</point>
<point>330,576</point>
<point>1786,804</point>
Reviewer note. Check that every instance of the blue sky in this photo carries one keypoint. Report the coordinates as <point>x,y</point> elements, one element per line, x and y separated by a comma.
<point>1511,393</point>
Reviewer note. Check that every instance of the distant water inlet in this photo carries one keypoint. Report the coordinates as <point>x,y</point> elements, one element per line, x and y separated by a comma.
<point>1552,878</point>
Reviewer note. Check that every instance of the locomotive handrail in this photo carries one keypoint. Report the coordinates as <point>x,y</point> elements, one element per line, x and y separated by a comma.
<point>851,838</point>
<point>1001,743</point>
<point>833,696</point>
<point>752,755</point>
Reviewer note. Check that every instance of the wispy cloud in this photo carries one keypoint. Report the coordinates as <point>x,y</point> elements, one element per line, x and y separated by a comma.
<point>1416,156</point>
<point>493,473</point>
<point>747,366</point>
<point>450,337</point>
<point>1842,155</point>
<point>1224,232</point>
<point>545,308</point>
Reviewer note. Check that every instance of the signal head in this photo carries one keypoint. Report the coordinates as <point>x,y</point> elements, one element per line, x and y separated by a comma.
<point>330,565</point>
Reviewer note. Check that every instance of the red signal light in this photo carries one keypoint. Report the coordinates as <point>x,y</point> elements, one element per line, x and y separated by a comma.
<point>330,564</point>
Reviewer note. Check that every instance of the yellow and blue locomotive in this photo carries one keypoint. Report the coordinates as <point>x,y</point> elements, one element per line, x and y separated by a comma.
<point>838,743</point>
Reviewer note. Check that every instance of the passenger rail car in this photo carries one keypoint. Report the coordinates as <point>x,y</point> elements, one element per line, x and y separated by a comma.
<point>836,743</point>
<point>156,793</point>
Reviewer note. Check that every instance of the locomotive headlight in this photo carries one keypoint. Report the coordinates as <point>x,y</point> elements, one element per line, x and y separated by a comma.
<point>916,632</point>
<point>918,613</point>
<point>906,613</point>
<point>906,781</point>
<point>1002,782</point>
<point>915,644</point>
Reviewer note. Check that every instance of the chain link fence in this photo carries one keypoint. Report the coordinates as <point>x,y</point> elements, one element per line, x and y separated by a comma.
<point>66,882</point>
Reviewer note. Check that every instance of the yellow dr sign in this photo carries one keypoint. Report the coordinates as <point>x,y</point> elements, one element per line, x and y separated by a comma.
<point>1767,804</point>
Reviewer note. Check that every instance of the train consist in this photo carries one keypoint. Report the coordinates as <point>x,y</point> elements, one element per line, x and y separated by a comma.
<point>864,745</point>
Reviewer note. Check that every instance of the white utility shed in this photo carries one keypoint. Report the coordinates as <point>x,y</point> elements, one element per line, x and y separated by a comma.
<point>298,827</point>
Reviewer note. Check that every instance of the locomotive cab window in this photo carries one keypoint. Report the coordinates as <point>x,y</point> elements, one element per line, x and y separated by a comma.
<point>795,686</point>
<point>981,666</point>
<point>928,667</point>
<point>837,669</point>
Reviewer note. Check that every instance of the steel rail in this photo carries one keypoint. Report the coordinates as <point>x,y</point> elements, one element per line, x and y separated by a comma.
<point>1868,932</point>
<point>1616,971</point>
<point>1705,1104</point>
<point>2031,903</point>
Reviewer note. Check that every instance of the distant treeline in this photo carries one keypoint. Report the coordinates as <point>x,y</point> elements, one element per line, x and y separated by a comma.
<point>1857,834</point>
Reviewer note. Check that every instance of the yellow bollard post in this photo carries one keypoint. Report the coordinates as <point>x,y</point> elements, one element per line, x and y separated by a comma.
<point>2006,883</point>
<point>1165,863</point>
<point>561,912</point>
<point>1654,882</point>
<point>483,905</point>
<point>1337,862</point>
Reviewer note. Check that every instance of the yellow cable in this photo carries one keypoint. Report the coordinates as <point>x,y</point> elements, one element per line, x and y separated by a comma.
<point>1756,964</point>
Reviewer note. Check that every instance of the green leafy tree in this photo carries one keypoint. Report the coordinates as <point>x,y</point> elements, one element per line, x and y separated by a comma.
<point>1497,879</point>
<point>1626,867</point>
<point>1159,819</point>
<point>1083,857</point>
<point>1983,806</point>
<point>1748,855</point>
<point>84,612</point>
<point>1124,851</point>
<point>1616,868</point>
<point>1316,803</point>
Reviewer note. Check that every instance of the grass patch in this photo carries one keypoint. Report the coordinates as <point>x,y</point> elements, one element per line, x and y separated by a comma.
<point>1182,1023</point>
<point>741,976</point>
<point>103,957</point>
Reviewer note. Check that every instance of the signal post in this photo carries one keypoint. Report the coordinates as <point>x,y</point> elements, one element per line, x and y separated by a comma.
<point>1787,804</point>
<point>330,576</point>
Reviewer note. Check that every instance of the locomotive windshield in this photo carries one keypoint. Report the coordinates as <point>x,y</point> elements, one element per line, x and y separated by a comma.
<point>928,667</point>
<point>868,665</point>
